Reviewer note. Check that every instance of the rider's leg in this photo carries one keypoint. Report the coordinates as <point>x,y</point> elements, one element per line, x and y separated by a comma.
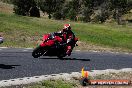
<point>69,50</point>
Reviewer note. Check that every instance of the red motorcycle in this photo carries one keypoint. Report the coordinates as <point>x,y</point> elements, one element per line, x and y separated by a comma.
<point>52,46</point>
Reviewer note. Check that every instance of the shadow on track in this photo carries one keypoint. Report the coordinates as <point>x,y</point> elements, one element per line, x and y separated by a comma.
<point>68,59</point>
<point>3,66</point>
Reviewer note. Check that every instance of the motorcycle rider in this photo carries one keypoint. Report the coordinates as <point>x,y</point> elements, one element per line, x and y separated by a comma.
<point>65,36</point>
<point>68,37</point>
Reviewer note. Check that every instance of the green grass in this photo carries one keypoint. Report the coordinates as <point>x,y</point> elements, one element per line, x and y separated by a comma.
<point>20,31</point>
<point>107,35</point>
<point>53,84</point>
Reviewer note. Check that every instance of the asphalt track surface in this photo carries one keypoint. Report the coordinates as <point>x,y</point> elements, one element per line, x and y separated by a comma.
<point>18,63</point>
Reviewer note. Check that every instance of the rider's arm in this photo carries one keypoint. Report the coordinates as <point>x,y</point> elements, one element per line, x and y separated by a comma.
<point>58,33</point>
<point>71,37</point>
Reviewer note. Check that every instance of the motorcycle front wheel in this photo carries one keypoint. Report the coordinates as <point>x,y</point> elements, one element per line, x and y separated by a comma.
<point>37,52</point>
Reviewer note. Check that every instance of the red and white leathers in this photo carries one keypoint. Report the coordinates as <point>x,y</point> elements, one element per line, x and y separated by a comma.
<point>68,37</point>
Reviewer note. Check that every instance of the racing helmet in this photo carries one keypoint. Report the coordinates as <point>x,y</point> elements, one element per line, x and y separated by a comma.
<point>67,27</point>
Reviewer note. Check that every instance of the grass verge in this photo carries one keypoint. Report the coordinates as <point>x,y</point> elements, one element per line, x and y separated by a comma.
<point>20,31</point>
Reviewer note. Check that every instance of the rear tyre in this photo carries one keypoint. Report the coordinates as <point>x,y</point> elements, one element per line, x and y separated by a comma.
<point>60,57</point>
<point>37,52</point>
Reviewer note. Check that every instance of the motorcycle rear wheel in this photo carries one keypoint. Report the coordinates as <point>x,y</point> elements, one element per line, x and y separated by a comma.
<point>61,56</point>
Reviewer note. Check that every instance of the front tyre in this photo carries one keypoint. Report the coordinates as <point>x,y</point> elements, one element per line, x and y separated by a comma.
<point>37,52</point>
<point>60,57</point>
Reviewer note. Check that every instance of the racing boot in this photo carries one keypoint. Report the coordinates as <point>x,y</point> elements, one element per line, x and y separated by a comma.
<point>68,52</point>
